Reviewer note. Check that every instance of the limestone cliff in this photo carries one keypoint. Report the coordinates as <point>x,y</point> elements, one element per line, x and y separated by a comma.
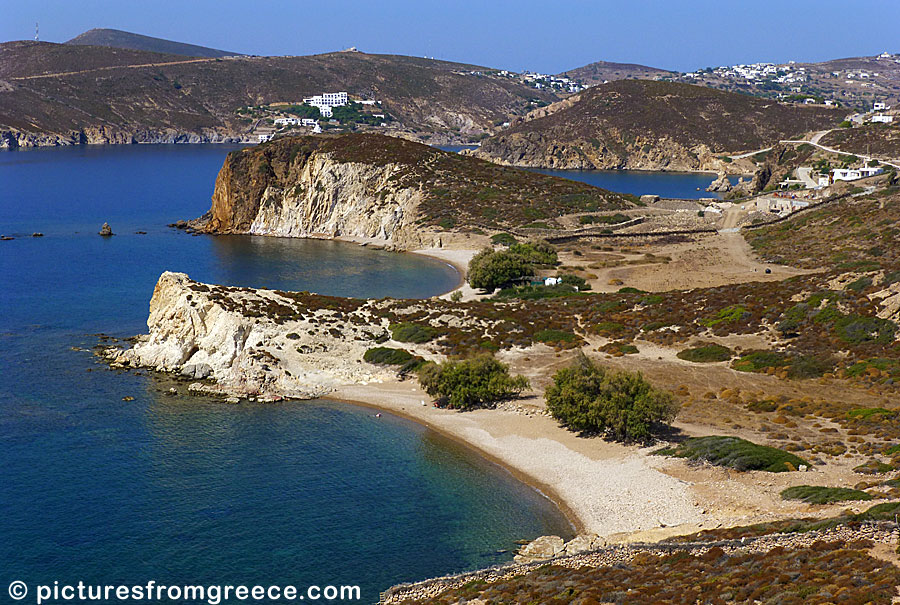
<point>304,189</point>
<point>254,342</point>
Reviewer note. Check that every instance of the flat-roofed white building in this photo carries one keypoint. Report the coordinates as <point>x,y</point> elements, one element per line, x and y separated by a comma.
<point>883,119</point>
<point>851,174</point>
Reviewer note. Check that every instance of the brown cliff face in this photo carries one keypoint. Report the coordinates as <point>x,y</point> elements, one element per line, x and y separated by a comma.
<point>244,178</point>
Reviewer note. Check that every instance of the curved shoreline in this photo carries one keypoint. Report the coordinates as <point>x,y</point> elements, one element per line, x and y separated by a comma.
<point>603,488</point>
<point>537,485</point>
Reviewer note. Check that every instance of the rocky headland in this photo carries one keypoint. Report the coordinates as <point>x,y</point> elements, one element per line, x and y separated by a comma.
<point>398,193</point>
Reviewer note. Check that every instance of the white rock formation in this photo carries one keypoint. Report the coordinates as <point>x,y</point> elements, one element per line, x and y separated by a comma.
<point>333,199</point>
<point>232,336</point>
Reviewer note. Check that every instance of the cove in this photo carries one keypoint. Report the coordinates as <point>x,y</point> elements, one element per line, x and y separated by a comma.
<point>192,490</point>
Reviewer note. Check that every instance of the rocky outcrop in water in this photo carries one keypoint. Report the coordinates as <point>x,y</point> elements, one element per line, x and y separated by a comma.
<point>296,188</point>
<point>257,343</point>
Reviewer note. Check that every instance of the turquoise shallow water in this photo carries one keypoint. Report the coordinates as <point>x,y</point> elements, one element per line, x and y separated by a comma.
<point>191,490</point>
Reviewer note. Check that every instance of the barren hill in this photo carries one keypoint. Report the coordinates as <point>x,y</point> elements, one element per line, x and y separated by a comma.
<point>63,94</point>
<point>602,71</point>
<point>642,124</point>
<point>117,38</point>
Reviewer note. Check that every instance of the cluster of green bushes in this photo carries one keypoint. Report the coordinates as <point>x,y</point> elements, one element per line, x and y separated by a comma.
<point>611,219</point>
<point>490,269</point>
<point>797,366</point>
<point>412,332</point>
<point>619,405</point>
<point>735,453</point>
<point>706,354</point>
<point>470,383</point>
<point>814,494</point>
<point>394,357</point>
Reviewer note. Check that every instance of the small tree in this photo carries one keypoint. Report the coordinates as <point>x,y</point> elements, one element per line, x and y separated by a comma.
<point>622,405</point>
<point>489,270</point>
<point>470,383</point>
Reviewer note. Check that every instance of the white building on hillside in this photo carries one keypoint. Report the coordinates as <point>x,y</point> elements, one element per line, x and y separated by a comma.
<point>287,121</point>
<point>880,106</point>
<point>883,119</point>
<point>851,174</point>
<point>328,99</point>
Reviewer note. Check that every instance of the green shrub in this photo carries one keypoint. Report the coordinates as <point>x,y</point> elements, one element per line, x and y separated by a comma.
<point>621,405</point>
<point>757,361</point>
<point>387,356</point>
<point>503,238</point>
<point>706,354</point>
<point>873,467</point>
<point>470,383</point>
<point>456,295</point>
<point>489,270</point>
<point>856,329</point>
<point>554,336</point>
<point>814,494</point>
<point>727,315</point>
<point>410,332</point>
<point>575,282</point>
<point>735,453</point>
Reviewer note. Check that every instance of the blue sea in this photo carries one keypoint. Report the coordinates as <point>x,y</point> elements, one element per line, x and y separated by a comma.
<point>191,490</point>
<point>683,185</point>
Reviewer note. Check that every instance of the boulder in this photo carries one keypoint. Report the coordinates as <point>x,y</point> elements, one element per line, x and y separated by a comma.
<point>197,371</point>
<point>581,543</point>
<point>540,549</point>
<point>106,230</point>
<point>720,184</point>
<point>649,199</point>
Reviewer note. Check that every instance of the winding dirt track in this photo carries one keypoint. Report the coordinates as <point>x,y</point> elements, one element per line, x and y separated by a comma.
<point>110,68</point>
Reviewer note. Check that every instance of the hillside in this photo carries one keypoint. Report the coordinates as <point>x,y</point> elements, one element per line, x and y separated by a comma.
<point>879,140</point>
<point>67,94</point>
<point>602,71</point>
<point>116,38</point>
<point>373,186</point>
<point>641,124</point>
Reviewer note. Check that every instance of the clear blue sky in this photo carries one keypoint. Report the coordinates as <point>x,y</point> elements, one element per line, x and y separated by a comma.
<point>548,36</point>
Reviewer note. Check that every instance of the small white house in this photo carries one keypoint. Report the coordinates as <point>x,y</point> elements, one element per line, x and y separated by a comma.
<point>286,121</point>
<point>851,174</point>
<point>325,110</point>
<point>264,137</point>
<point>880,106</point>
<point>883,119</point>
<point>552,281</point>
<point>310,121</point>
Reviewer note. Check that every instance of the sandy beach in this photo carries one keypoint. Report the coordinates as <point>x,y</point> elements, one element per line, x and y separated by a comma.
<point>603,488</point>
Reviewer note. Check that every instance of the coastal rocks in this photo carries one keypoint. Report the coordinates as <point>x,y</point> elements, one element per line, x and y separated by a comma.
<point>649,199</point>
<point>548,547</point>
<point>253,342</point>
<point>197,371</point>
<point>106,230</point>
<point>540,549</point>
<point>720,184</point>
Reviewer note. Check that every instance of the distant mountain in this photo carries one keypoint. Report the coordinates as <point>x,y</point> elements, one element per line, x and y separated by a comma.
<point>602,71</point>
<point>58,94</point>
<point>648,125</point>
<point>115,38</point>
